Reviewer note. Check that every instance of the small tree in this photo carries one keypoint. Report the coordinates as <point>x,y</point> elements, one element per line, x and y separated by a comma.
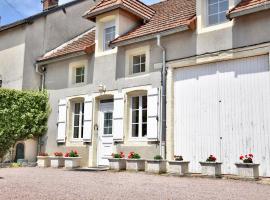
<point>23,115</point>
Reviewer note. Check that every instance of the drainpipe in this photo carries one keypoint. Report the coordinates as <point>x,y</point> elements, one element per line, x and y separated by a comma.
<point>41,72</point>
<point>163,100</point>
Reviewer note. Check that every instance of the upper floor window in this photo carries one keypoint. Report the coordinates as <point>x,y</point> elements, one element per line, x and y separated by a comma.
<point>139,116</point>
<point>217,11</point>
<point>79,75</point>
<point>109,35</point>
<point>78,118</point>
<point>138,63</point>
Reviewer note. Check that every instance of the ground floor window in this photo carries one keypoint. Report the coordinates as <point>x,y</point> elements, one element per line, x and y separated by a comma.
<point>78,118</point>
<point>138,116</point>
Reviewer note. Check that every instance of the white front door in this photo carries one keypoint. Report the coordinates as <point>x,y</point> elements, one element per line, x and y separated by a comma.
<point>105,137</point>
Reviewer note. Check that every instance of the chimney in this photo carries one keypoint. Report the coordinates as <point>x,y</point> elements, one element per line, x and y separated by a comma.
<point>48,4</point>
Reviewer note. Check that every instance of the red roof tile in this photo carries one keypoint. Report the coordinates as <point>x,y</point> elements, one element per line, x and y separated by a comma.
<point>84,42</point>
<point>169,14</point>
<point>133,6</point>
<point>247,4</point>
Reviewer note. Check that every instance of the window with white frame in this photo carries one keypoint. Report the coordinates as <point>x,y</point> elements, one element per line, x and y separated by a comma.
<point>79,74</point>
<point>138,116</point>
<point>108,122</point>
<point>217,10</point>
<point>109,35</point>
<point>78,118</point>
<point>138,63</point>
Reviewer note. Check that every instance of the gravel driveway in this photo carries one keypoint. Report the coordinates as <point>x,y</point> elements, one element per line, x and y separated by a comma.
<point>56,184</point>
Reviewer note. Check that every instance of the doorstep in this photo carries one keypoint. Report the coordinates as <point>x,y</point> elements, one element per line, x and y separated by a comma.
<point>92,169</point>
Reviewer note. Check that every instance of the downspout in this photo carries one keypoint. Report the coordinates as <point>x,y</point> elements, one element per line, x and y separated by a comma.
<point>163,100</point>
<point>41,71</point>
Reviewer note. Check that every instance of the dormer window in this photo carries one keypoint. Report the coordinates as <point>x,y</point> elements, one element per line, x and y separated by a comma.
<point>217,11</point>
<point>109,35</point>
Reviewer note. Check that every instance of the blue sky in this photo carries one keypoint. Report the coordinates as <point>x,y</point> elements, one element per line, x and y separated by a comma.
<point>13,10</point>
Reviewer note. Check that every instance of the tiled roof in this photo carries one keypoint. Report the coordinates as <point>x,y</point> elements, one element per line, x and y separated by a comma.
<point>133,6</point>
<point>169,15</point>
<point>247,4</point>
<point>82,43</point>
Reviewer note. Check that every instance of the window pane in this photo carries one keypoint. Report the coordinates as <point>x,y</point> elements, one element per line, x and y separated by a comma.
<point>82,132</point>
<point>135,130</point>
<point>136,59</point>
<point>144,130</point>
<point>222,17</point>
<point>223,6</point>
<point>213,1</point>
<point>144,116</point>
<point>76,132</point>
<point>213,19</point>
<point>136,68</point>
<point>77,108</point>
<point>144,101</point>
<point>76,120</point>
<point>135,102</point>
<point>213,9</point>
<point>135,116</point>
<point>143,68</point>
<point>143,58</point>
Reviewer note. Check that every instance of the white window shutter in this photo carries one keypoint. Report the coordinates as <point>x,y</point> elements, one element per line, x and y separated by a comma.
<point>118,117</point>
<point>62,118</point>
<point>87,126</point>
<point>152,112</point>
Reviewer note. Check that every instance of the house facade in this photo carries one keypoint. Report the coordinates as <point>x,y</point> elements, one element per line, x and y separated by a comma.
<point>107,92</point>
<point>24,41</point>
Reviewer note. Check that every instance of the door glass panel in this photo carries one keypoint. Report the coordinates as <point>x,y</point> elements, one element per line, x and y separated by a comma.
<point>135,130</point>
<point>108,117</point>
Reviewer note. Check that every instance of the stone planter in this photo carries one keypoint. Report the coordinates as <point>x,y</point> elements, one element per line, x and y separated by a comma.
<point>72,162</point>
<point>135,164</point>
<point>57,161</point>
<point>179,167</point>
<point>156,166</point>
<point>211,168</point>
<point>248,170</point>
<point>117,164</point>
<point>43,161</point>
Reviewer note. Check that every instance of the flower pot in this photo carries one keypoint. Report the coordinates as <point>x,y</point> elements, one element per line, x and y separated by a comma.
<point>248,170</point>
<point>117,164</point>
<point>72,162</point>
<point>156,166</point>
<point>43,161</point>
<point>57,162</point>
<point>135,164</point>
<point>179,167</point>
<point>211,168</point>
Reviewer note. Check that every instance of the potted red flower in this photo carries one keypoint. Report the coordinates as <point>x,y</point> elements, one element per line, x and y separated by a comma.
<point>134,162</point>
<point>43,160</point>
<point>178,166</point>
<point>247,169</point>
<point>72,159</point>
<point>118,161</point>
<point>57,160</point>
<point>211,167</point>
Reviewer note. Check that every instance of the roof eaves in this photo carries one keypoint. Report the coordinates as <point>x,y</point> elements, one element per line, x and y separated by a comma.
<point>151,36</point>
<point>257,8</point>
<point>38,15</point>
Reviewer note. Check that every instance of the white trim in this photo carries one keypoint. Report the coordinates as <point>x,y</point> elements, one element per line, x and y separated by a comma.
<point>72,73</point>
<point>129,58</point>
<point>80,138</point>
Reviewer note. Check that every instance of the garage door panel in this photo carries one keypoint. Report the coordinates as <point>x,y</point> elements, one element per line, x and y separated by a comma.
<point>223,109</point>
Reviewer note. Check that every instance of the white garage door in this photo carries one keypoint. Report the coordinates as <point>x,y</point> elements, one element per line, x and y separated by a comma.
<point>223,109</point>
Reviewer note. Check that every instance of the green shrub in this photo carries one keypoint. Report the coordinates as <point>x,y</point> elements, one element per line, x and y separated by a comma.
<point>23,115</point>
<point>158,157</point>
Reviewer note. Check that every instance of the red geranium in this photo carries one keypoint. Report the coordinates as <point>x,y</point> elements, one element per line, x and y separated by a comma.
<point>247,158</point>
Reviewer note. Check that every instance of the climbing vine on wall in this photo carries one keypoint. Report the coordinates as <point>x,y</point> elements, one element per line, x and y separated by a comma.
<point>23,115</point>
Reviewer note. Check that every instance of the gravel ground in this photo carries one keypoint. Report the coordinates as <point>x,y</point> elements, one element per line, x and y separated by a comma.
<point>58,184</point>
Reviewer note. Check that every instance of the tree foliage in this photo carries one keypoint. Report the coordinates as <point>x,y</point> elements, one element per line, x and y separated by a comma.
<point>23,115</point>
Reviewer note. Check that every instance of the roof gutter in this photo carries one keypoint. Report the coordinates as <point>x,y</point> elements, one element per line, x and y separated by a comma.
<point>254,9</point>
<point>151,36</point>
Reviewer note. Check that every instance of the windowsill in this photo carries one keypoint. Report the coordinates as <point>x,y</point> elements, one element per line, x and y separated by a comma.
<point>107,135</point>
<point>137,75</point>
<point>107,52</point>
<point>73,140</point>
<point>216,27</point>
<point>78,84</point>
<point>144,139</point>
